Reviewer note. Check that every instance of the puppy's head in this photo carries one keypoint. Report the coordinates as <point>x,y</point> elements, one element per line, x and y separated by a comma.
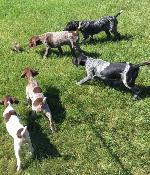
<point>72,26</point>
<point>34,41</point>
<point>79,60</point>
<point>8,99</point>
<point>28,72</point>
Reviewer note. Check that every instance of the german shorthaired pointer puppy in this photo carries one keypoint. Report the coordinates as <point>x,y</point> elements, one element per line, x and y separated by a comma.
<point>122,71</point>
<point>15,128</point>
<point>35,96</point>
<point>92,27</point>
<point>56,40</point>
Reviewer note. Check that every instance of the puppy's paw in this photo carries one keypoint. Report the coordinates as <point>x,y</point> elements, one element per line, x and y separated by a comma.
<point>44,57</point>
<point>78,83</point>
<point>136,98</point>
<point>18,168</point>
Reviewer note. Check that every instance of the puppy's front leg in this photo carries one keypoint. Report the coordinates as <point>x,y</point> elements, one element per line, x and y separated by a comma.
<point>46,51</point>
<point>29,102</point>
<point>84,80</point>
<point>89,76</point>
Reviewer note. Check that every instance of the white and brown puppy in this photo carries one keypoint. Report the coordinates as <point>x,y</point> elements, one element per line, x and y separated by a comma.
<point>56,40</point>
<point>35,96</point>
<point>15,128</point>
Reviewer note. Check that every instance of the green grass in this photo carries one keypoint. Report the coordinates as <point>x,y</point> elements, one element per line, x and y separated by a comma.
<point>101,130</point>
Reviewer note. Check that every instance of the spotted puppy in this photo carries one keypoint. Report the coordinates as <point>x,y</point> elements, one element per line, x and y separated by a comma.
<point>14,127</point>
<point>35,96</point>
<point>56,40</point>
<point>122,71</point>
<point>92,27</point>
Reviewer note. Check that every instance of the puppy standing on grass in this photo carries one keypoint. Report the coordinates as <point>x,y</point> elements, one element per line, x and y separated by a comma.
<point>56,40</point>
<point>15,128</point>
<point>35,97</point>
<point>108,24</point>
<point>121,71</point>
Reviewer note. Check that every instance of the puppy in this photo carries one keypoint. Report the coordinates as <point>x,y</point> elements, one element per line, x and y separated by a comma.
<point>35,96</point>
<point>14,127</point>
<point>56,40</point>
<point>108,24</point>
<point>122,71</point>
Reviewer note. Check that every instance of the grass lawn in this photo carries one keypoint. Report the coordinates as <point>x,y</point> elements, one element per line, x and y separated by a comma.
<point>101,130</point>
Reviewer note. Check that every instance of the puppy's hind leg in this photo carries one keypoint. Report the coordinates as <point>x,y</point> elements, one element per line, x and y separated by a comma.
<point>17,145</point>
<point>60,50</point>
<point>113,29</point>
<point>91,38</point>
<point>48,114</point>
<point>108,34</point>
<point>129,82</point>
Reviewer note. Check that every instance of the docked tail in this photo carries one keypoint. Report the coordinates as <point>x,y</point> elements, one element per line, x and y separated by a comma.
<point>79,26</point>
<point>118,13</point>
<point>23,131</point>
<point>44,99</point>
<point>42,102</point>
<point>142,64</point>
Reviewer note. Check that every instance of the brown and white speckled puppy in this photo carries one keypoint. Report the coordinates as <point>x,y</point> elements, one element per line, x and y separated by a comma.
<point>35,96</point>
<point>56,40</point>
<point>14,127</point>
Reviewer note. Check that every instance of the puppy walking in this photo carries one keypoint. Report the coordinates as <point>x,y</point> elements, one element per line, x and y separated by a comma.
<point>122,71</point>
<point>108,24</point>
<point>35,97</point>
<point>15,128</point>
<point>56,40</point>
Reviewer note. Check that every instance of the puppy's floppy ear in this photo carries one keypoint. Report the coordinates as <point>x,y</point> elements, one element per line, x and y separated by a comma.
<point>34,72</point>
<point>23,74</point>
<point>34,41</point>
<point>1,102</point>
<point>76,61</point>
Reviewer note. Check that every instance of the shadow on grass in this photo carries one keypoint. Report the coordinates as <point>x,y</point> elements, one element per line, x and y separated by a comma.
<point>113,155</point>
<point>119,86</point>
<point>54,102</point>
<point>43,148</point>
<point>56,52</point>
<point>95,41</point>
<point>145,91</point>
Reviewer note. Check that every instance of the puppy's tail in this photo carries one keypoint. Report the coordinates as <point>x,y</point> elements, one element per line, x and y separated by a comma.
<point>79,27</point>
<point>44,99</point>
<point>147,63</point>
<point>43,102</point>
<point>119,13</point>
<point>23,131</point>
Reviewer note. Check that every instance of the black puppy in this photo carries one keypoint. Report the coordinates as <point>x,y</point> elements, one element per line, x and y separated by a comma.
<point>92,27</point>
<point>122,71</point>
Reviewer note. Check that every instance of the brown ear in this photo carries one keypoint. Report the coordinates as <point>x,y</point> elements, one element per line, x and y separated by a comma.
<point>34,72</point>
<point>23,74</point>
<point>1,102</point>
